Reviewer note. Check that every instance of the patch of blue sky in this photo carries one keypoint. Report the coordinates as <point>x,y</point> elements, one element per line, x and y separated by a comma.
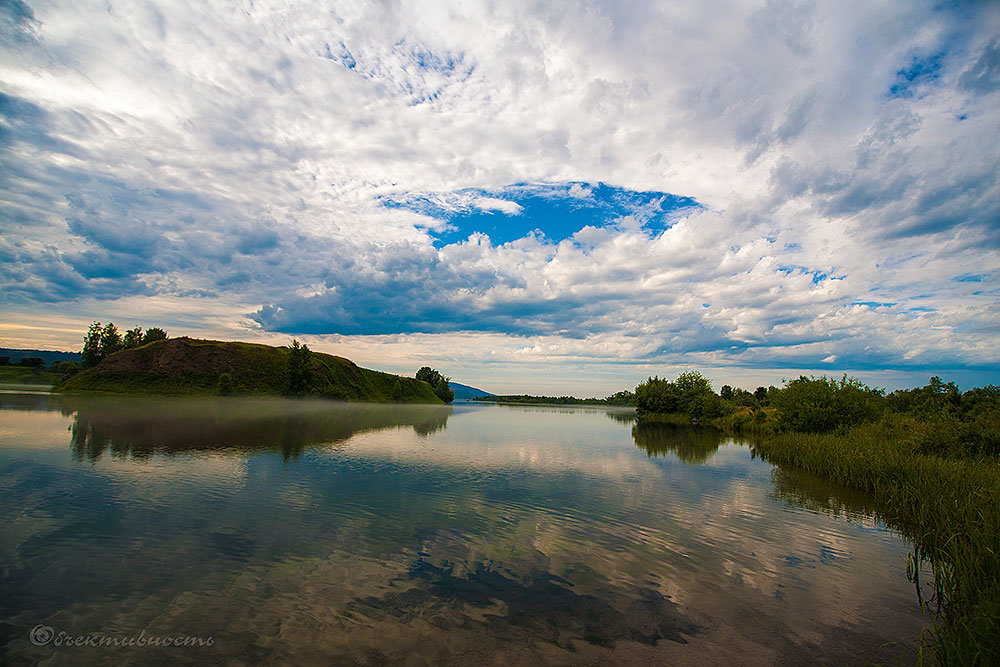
<point>921,70</point>
<point>343,56</point>
<point>554,210</point>
<point>817,276</point>
<point>969,278</point>
<point>875,304</point>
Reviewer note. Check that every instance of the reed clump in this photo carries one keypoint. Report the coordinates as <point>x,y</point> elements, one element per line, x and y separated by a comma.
<point>928,456</point>
<point>948,507</point>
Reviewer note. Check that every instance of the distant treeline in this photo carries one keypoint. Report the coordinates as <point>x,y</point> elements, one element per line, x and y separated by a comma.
<point>621,398</point>
<point>99,341</point>
<point>939,418</point>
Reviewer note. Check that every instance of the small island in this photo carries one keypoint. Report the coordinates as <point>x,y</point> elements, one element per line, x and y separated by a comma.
<point>138,364</point>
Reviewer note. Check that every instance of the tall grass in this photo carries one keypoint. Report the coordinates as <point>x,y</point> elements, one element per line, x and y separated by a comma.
<point>948,508</point>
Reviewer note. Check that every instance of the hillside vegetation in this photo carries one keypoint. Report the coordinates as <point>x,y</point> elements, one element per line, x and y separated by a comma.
<point>192,366</point>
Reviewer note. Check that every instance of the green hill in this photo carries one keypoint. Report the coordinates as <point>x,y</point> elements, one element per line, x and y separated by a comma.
<point>192,366</point>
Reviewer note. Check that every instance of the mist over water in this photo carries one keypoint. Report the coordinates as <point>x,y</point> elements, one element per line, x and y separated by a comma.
<point>317,531</point>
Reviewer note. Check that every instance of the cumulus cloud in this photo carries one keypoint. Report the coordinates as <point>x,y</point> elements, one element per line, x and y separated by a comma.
<point>793,184</point>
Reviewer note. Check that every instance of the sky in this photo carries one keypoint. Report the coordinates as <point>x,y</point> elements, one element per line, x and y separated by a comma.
<point>532,197</point>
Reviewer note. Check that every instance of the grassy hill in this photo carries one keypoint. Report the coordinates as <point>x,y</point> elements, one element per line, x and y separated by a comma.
<point>192,366</point>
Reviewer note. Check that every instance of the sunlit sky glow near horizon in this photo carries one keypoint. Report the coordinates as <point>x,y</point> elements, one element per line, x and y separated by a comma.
<point>537,197</point>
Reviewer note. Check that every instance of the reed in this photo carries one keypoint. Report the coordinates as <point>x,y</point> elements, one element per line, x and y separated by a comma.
<point>948,507</point>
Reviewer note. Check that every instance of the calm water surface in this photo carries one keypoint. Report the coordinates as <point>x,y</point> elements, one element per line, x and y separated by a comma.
<point>317,532</point>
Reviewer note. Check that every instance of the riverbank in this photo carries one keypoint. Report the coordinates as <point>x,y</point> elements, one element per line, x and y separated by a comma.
<point>949,507</point>
<point>29,376</point>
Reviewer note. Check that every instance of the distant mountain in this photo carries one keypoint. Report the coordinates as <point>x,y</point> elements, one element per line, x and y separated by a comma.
<point>48,355</point>
<point>465,391</point>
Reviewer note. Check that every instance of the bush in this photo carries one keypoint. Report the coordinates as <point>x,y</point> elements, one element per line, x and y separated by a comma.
<point>225,384</point>
<point>299,370</point>
<point>438,383</point>
<point>64,367</point>
<point>815,405</point>
<point>690,394</point>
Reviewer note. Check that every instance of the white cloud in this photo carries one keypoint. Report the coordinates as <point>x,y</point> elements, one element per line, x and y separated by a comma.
<point>241,155</point>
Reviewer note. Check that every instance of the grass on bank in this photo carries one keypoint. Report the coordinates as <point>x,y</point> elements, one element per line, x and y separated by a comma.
<point>948,508</point>
<point>26,375</point>
<point>929,458</point>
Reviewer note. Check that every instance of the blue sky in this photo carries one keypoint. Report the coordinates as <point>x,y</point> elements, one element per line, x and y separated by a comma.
<point>559,199</point>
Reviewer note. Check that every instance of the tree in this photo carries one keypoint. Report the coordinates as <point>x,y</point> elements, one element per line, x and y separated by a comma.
<point>133,338</point>
<point>101,341</point>
<point>64,367</point>
<point>726,392</point>
<point>111,340</point>
<point>691,386</point>
<point>154,334</point>
<point>31,362</point>
<point>5,361</point>
<point>428,375</point>
<point>820,404</point>
<point>92,345</point>
<point>443,391</point>
<point>438,383</point>
<point>225,387</point>
<point>657,395</point>
<point>299,369</point>
<point>690,394</point>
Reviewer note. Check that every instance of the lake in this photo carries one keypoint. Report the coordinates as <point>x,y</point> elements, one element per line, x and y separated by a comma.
<point>272,531</point>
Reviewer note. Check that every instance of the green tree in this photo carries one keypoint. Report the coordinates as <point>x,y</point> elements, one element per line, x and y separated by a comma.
<point>726,392</point>
<point>443,391</point>
<point>31,362</point>
<point>92,345</point>
<point>299,370</point>
<point>153,334</point>
<point>111,340</point>
<point>225,387</point>
<point>820,404</point>
<point>428,375</point>
<point>64,367</point>
<point>438,383</point>
<point>132,338</point>
<point>657,396</point>
<point>690,394</point>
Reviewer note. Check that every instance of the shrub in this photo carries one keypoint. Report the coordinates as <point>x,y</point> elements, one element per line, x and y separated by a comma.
<point>225,384</point>
<point>690,394</point>
<point>814,405</point>
<point>299,370</point>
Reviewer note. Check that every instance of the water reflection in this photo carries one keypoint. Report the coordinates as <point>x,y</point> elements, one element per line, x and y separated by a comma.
<point>33,402</point>
<point>690,444</point>
<point>798,487</point>
<point>428,534</point>
<point>140,427</point>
